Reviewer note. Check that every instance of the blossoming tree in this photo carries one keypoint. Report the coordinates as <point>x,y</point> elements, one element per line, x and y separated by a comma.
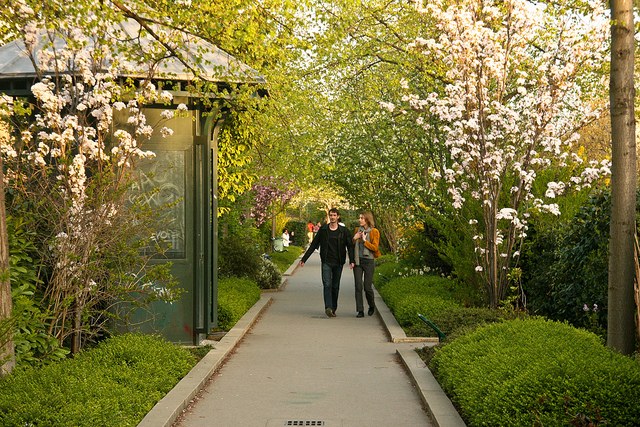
<point>518,83</point>
<point>71,150</point>
<point>72,167</point>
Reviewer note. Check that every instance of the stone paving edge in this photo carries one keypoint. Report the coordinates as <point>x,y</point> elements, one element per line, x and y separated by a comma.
<point>442,411</point>
<point>167,410</point>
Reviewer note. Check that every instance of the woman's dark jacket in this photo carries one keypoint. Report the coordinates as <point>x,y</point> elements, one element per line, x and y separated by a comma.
<point>345,244</point>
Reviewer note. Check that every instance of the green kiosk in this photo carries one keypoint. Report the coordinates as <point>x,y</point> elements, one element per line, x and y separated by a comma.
<point>183,175</point>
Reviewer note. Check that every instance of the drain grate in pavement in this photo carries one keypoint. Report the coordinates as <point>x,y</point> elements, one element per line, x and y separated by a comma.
<point>303,423</point>
<point>327,422</point>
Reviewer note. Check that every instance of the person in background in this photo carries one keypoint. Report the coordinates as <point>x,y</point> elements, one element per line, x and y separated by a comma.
<point>366,240</point>
<point>335,244</point>
<point>285,238</point>
<point>309,232</point>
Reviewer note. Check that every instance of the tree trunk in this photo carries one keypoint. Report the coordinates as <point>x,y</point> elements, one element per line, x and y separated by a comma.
<point>621,328</point>
<point>7,354</point>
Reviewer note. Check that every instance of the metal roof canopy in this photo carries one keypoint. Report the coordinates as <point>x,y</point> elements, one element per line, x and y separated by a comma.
<point>200,57</point>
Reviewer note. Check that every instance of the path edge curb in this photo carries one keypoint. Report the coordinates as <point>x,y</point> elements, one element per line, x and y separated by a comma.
<point>394,330</point>
<point>438,405</point>
<point>166,410</point>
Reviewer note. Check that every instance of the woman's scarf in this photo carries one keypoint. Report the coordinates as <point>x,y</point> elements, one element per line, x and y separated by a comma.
<point>365,251</point>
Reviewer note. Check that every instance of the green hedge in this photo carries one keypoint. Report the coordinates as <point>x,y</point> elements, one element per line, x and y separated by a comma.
<point>235,297</point>
<point>113,384</point>
<point>537,372</point>
<point>408,296</point>
<point>435,297</point>
<point>386,271</point>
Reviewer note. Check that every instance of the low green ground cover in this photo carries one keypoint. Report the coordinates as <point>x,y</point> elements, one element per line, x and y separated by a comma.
<point>235,297</point>
<point>432,296</point>
<point>283,260</point>
<point>536,372</point>
<point>113,384</point>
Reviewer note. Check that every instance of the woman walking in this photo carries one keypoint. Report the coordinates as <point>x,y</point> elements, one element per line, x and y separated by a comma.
<point>366,241</point>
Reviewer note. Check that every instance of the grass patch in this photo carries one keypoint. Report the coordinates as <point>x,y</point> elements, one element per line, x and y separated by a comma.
<point>283,260</point>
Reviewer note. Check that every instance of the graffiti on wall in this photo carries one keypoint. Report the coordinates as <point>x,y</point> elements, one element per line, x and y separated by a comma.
<point>161,185</point>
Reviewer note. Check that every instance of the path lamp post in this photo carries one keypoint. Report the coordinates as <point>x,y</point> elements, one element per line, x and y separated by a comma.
<point>183,173</point>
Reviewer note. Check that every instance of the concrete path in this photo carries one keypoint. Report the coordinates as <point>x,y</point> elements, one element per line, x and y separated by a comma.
<point>297,367</point>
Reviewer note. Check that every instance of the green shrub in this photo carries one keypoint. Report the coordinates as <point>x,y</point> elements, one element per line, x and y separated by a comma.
<point>235,297</point>
<point>299,230</point>
<point>454,319</point>
<point>427,295</point>
<point>33,344</point>
<point>386,258</point>
<point>268,276</point>
<point>113,384</point>
<point>420,249</point>
<point>385,272</point>
<point>565,266</point>
<point>238,258</point>
<point>537,372</point>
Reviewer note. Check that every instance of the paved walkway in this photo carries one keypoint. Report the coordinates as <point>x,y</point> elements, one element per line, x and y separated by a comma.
<point>295,366</point>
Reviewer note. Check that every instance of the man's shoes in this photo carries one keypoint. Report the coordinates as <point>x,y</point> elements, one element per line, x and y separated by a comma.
<point>333,313</point>
<point>371,311</point>
<point>329,312</point>
<point>360,314</point>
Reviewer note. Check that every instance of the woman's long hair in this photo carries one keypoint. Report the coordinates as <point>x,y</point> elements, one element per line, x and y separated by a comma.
<point>368,218</point>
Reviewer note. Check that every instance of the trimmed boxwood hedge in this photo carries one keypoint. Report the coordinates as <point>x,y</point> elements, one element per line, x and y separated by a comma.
<point>113,384</point>
<point>537,372</point>
<point>235,297</point>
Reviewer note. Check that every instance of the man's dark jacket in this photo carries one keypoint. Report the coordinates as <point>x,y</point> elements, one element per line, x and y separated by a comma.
<point>345,244</point>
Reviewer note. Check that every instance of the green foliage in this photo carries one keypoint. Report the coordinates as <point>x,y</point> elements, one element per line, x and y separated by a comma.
<point>268,277</point>
<point>284,260</point>
<point>299,230</point>
<point>456,320</point>
<point>386,270</point>
<point>238,257</point>
<point>435,297</point>
<point>200,351</point>
<point>409,296</point>
<point>421,249</point>
<point>386,258</point>
<point>114,384</point>
<point>235,297</point>
<point>33,345</point>
<point>538,372</point>
<point>565,267</point>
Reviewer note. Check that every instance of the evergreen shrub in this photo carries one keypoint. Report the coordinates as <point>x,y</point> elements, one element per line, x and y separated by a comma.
<point>235,297</point>
<point>113,384</point>
<point>537,372</point>
<point>238,258</point>
<point>421,248</point>
<point>299,230</point>
<point>385,271</point>
<point>408,296</point>
<point>33,344</point>
<point>565,267</point>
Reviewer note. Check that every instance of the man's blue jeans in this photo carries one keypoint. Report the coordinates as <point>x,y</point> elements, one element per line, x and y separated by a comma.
<point>331,284</point>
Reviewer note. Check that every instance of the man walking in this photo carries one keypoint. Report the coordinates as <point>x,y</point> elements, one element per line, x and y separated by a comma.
<point>335,243</point>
